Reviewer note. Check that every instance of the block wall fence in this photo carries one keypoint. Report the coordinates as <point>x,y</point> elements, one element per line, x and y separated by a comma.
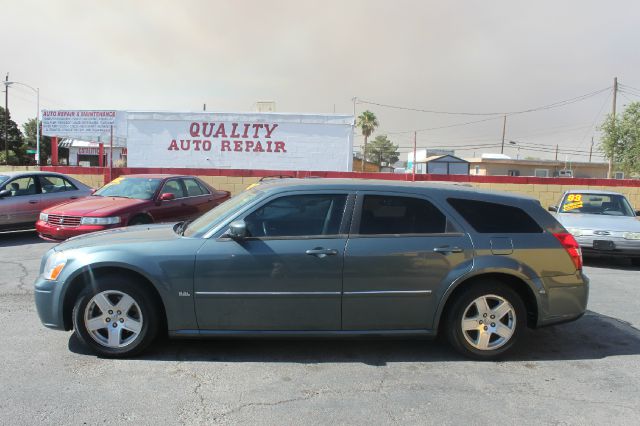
<point>547,190</point>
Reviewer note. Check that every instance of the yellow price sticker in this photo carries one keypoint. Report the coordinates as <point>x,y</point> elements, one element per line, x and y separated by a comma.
<point>572,206</point>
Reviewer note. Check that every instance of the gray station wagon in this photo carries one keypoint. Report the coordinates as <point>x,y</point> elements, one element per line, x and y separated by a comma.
<point>323,257</point>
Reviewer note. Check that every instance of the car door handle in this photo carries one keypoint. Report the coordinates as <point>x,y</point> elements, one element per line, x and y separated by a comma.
<point>74,197</point>
<point>33,201</point>
<point>447,250</point>
<point>321,252</point>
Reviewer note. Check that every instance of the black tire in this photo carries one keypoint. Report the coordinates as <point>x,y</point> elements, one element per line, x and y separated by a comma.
<point>145,310</point>
<point>493,292</point>
<point>140,220</point>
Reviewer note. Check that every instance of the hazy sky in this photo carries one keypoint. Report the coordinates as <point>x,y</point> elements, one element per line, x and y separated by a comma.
<point>315,56</point>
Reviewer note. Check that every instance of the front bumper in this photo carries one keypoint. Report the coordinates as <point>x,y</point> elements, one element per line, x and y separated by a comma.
<point>621,247</point>
<point>51,232</point>
<point>49,301</point>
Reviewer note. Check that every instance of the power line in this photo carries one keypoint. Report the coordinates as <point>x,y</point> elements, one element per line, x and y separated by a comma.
<point>544,107</point>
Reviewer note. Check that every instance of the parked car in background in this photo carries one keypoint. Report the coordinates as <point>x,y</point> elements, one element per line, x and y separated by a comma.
<point>603,223</point>
<point>323,257</point>
<point>131,200</point>
<point>23,195</point>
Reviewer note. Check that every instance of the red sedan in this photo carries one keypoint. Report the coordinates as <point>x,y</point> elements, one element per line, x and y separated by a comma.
<point>131,200</point>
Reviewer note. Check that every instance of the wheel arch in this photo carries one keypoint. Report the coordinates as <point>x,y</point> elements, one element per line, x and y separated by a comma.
<point>84,277</point>
<point>517,284</point>
<point>146,215</point>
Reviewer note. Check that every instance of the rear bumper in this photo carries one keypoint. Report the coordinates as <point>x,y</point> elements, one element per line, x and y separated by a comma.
<point>60,233</point>
<point>564,299</point>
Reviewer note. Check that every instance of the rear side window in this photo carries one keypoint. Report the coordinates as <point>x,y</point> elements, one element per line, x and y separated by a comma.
<point>487,217</point>
<point>382,214</point>
<point>194,188</point>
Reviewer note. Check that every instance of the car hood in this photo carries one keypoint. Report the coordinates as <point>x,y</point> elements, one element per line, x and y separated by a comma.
<point>122,236</point>
<point>96,205</point>
<point>602,222</point>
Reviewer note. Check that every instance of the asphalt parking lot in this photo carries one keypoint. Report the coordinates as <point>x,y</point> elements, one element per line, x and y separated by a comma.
<point>586,372</point>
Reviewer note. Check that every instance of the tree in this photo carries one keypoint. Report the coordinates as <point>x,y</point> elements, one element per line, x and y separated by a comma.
<point>367,122</point>
<point>382,150</point>
<point>30,138</point>
<point>621,138</point>
<point>15,143</point>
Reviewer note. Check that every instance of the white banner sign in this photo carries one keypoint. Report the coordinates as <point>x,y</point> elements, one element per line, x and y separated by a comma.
<point>77,123</point>
<point>266,141</point>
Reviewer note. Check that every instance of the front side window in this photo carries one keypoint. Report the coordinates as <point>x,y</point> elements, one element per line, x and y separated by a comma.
<point>173,187</point>
<point>51,184</point>
<point>21,186</point>
<point>298,215</point>
<point>382,214</point>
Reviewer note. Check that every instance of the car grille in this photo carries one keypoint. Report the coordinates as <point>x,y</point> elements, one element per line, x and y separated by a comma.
<point>69,221</point>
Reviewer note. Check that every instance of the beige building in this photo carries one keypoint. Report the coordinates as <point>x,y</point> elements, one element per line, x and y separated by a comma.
<point>538,168</point>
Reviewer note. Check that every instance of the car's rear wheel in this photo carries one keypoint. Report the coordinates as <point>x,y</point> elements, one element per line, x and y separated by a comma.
<point>116,317</point>
<point>485,320</point>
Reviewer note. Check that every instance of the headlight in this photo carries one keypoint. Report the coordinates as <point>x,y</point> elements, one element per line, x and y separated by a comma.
<point>99,220</point>
<point>55,264</point>
<point>44,217</point>
<point>631,235</point>
<point>575,231</point>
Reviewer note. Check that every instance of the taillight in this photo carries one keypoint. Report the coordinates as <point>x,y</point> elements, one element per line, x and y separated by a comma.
<point>572,247</point>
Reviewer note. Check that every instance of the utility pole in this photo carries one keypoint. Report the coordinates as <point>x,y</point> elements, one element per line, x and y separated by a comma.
<point>415,157</point>
<point>556,152</point>
<point>591,149</point>
<point>204,107</point>
<point>6,119</point>
<point>504,130</point>
<point>615,94</point>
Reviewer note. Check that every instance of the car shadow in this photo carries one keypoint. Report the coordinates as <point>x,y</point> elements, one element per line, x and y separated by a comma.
<point>594,336</point>
<point>610,263</point>
<point>20,238</point>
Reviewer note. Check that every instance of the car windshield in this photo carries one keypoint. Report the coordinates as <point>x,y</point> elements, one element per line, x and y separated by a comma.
<point>208,220</point>
<point>602,204</point>
<point>130,187</point>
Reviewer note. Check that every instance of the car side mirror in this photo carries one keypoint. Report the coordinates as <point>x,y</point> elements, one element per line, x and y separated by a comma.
<point>167,196</point>
<point>237,230</point>
<point>637,211</point>
<point>93,191</point>
<point>553,208</point>
<point>5,193</point>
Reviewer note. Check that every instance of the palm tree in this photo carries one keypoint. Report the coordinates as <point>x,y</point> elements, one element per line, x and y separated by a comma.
<point>367,122</point>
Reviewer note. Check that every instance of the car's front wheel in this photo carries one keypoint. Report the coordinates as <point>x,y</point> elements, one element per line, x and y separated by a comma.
<point>485,320</point>
<point>116,317</point>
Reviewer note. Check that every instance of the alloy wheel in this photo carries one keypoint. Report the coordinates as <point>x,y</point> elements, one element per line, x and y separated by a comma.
<point>488,322</point>
<point>113,319</point>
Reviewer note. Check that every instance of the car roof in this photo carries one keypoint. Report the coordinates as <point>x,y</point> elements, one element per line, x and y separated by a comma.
<point>592,191</point>
<point>460,189</point>
<point>30,172</point>
<point>154,175</point>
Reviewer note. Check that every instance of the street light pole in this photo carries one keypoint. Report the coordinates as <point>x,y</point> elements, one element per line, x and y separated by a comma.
<point>8,83</point>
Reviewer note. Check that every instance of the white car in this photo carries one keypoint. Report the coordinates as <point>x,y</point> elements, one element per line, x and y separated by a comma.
<point>603,223</point>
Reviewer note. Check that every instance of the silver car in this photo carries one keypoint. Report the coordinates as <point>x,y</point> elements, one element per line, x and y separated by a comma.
<point>603,223</point>
<point>23,195</point>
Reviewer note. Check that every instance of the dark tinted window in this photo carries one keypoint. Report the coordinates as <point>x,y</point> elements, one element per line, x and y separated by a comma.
<point>21,186</point>
<point>487,217</point>
<point>298,215</point>
<point>382,214</point>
